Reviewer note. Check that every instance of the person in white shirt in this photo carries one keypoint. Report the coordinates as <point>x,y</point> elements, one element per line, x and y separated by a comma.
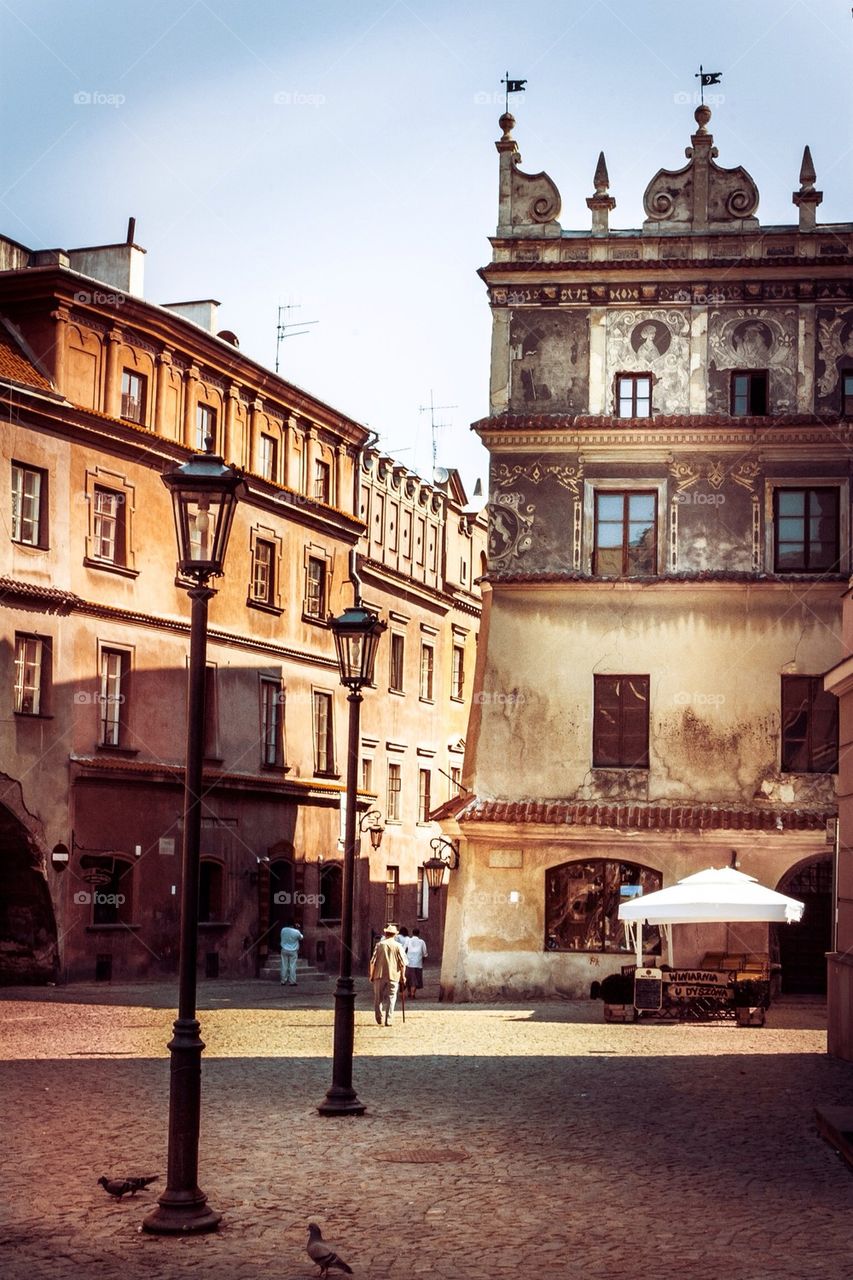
<point>415,953</point>
<point>290,940</point>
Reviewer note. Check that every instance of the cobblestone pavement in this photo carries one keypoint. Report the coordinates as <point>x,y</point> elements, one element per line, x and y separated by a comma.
<point>582,1149</point>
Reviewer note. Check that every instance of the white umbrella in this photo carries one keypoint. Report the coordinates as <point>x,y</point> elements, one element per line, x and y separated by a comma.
<point>718,895</point>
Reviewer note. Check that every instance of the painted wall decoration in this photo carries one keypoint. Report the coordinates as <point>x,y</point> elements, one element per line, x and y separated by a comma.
<point>510,524</point>
<point>753,338</point>
<point>834,352</point>
<point>532,513</point>
<point>549,362</point>
<point>657,341</point>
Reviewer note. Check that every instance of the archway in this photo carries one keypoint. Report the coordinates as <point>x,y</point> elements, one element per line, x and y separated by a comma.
<point>28,943</point>
<point>281,908</point>
<point>802,947</point>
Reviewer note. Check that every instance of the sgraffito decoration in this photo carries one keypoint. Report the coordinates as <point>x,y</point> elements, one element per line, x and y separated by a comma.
<point>567,477</point>
<point>657,341</point>
<point>509,527</point>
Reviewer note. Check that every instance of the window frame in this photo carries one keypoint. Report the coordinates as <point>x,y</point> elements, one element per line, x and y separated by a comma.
<point>392,892</point>
<point>324,752</point>
<point>206,424</point>
<point>633,380</point>
<point>424,795</point>
<point>609,898</point>
<point>267,456</point>
<point>394,791</point>
<point>757,388</point>
<point>321,483</point>
<point>599,710</point>
<point>41,662</point>
<point>133,375</point>
<point>314,603</point>
<point>828,710</point>
<point>845,381</point>
<point>457,673</point>
<point>39,521</point>
<point>271,710</point>
<point>330,871</point>
<point>426,677</point>
<point>98,480</point>
<point>397,643</point>
<point>817,485</point>
<point>118,914</point>
<point>602,491</point>
<point>106,700</point>
<point>206,866</point>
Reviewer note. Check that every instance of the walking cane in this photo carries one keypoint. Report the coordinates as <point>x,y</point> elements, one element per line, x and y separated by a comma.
<point>403,999</point>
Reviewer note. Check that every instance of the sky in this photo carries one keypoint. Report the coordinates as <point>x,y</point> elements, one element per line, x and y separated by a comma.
<point>337,157</point>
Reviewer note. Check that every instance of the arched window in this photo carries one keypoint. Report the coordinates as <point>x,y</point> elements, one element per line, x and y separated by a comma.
<point>112,901</point>
<point>209,891</point>
<point>582,904</point>
<point>331,884</point>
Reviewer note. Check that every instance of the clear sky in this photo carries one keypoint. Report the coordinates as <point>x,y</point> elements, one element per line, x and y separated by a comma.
<point>338,155</point>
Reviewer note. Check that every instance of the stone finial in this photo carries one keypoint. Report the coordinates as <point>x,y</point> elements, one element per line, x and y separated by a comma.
<point>702,115</point>
<point>507,123</point>
<point>807,199</point>
<point>525,200</point>
<point>602,201</point>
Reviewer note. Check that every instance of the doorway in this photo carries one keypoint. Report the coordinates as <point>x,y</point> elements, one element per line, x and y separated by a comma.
<point>802,947</point>
<point>281,907</point>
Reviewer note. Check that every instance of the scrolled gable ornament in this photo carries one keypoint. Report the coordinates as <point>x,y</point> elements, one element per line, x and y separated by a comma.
<point>510,527</point>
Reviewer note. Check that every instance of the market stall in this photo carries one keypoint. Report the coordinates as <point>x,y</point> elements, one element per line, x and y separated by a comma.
<point>722,985</point>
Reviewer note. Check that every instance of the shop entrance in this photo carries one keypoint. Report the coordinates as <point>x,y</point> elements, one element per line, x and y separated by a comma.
<point>281,908</point>
<point>802,947</point>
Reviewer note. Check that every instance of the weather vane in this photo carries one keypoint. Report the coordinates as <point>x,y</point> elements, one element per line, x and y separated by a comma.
<point>706,78</point>
<point>512,86</point>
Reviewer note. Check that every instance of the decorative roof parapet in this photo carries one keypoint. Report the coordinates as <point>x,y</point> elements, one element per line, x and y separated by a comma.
<point>602,202</point>
<point>528,203</point>
<point>807,199</point>
<point>701,197</point>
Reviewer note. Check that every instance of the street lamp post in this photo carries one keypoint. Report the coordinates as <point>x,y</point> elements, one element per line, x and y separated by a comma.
<point>445,856</point>
<point>357,633</point>
<point>204,496</point>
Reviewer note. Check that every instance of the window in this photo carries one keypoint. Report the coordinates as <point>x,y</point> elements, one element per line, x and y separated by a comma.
<point>424,788</point>
<point>457,677</point>
<point>109,527</point>
<point>423,895</point>
<point>805,527</point>
<point>262,588</point>
<point>268,457</point>
<point>427,664</point>
<point>322,481</point>
<point>392,893</point>
<point>205,425</point>
<point>420,530</point>
<point>625,534</point>
<point>582,902</point>
<point>393,517</point>
<point>620,731</point>
<point>367,774</point>
<point>847,393</point>
<point>749,394</point>
<point>112,899</point>
<point>315,588</point>
<point>392,800</point>
<point>272,722</point>
<point>809,726</point>
<point>331,891</point>
<point>32,674</point>
<point>398,649</point>
<point>210,881</point>
<point>407,534</point>
<point>133,395</point>
<point>455,781</point>
<point>211,712</point>
<point>634,395</point>
<point>29,506</point>
<point>114,669</point>
<point>378,518</point>
<point>324,746</point>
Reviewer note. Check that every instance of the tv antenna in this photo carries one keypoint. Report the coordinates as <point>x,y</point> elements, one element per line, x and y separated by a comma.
<point>282,328</point>
<point>434,426</point>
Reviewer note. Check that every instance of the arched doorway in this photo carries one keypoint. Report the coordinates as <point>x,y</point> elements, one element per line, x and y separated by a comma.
<point>802,947</point>
<point>281,907</point>
<point>29,951</point>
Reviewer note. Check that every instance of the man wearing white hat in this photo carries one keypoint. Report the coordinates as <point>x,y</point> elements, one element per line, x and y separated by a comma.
<point>387,971</point>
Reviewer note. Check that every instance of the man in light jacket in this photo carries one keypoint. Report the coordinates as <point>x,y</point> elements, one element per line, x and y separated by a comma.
<point>387,971</point>
<point>290,940</point>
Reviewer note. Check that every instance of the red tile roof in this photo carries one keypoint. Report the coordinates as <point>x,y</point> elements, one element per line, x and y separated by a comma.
<point>15,366</point>
<point>632,817</point>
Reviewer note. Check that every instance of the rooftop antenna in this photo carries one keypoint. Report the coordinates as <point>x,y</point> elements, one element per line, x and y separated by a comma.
<point>281,329</point>
<point>433,425</point>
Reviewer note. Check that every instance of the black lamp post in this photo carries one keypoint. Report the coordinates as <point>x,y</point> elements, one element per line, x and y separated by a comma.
<point>204,495</point>
<point>441,861</point>
<point>357,633</point>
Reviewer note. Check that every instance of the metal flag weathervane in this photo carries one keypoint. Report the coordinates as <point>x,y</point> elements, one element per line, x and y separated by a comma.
<point>706,78</point>
<point>512,86</point>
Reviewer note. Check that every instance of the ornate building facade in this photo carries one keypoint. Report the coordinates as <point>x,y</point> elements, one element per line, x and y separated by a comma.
<point>102,391</point>
<point>669,542</point>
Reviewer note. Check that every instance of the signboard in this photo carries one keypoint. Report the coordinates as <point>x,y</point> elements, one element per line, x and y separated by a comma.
<point>691,984</point>
<point>648,989</point>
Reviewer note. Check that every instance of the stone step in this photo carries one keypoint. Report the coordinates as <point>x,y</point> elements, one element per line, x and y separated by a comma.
<point>305,972</point>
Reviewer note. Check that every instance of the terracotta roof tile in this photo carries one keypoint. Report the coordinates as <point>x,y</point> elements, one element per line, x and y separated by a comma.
<point>663,816</point>
<point>16,366</point>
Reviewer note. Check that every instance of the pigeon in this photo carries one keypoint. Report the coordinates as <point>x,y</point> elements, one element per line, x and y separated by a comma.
<point>321,1252</point>
<point>119,1187</point>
